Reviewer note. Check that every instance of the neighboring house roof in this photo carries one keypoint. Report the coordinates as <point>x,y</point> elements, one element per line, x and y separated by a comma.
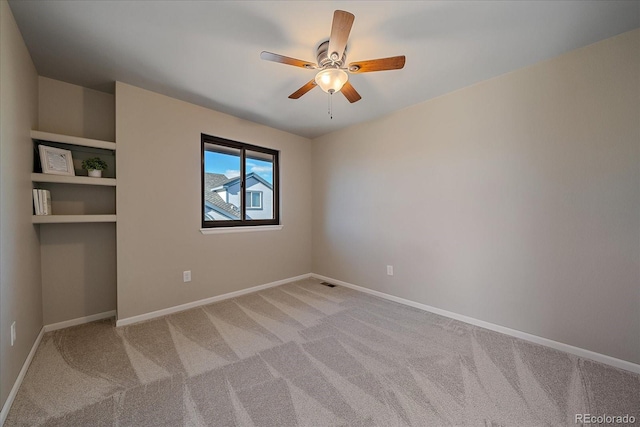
<point>213,199</point>
<point>218,181</point>
<point>214,180</point>
<point>231,181</point>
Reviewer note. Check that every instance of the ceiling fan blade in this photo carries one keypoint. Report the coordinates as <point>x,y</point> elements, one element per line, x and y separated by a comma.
<point>268,56</point>
<point>340,29</point>
<point>304,89</point>
<point>383,64</point>
<point>350,93</point>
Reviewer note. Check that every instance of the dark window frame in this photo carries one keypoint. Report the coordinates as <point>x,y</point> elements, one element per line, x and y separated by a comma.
<point>243,147</point>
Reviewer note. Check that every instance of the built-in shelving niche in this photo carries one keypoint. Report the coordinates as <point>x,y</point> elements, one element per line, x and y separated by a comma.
<point>77,199</point>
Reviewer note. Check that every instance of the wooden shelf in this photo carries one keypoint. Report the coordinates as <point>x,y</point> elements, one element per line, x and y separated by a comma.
<point>65,179</point>
<point>72,140</point>
<point>67,219</point>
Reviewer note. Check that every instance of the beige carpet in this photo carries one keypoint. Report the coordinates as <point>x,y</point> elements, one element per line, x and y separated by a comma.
<point>304,354</point>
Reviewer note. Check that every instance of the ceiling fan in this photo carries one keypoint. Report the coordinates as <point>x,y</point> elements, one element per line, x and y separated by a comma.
<point>332,56</point>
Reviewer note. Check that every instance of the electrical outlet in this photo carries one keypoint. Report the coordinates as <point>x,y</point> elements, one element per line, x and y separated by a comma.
<point>389,270</point>
<point>13,333</point>
<point>186,276</point>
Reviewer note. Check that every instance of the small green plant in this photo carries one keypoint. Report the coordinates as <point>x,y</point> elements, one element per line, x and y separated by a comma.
<point>94,163</point>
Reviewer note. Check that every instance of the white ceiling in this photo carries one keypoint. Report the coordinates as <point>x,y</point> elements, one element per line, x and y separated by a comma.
<point>208,52</point>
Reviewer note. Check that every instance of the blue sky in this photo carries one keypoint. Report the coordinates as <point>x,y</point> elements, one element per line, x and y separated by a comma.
<point>230,165</point>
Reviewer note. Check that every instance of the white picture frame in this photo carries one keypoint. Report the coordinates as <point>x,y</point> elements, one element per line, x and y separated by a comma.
<point>56,161</point>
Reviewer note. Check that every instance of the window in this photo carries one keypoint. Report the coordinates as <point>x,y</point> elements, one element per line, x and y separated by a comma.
<point>254,199</point>
<point>231,169</point>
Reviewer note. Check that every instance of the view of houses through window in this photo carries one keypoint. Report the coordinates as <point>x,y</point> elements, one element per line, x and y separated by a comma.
<point>239,183</point>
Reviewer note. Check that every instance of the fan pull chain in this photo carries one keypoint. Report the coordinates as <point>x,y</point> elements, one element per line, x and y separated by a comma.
<point>330,105</point>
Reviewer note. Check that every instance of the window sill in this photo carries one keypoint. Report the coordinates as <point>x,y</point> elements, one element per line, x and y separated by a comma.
<point>224,230</point>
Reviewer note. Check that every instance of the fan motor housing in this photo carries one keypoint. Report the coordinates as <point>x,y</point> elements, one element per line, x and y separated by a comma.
<point>323,56</point>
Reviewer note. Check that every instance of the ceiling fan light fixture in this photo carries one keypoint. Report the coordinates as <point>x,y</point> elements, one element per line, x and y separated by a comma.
<point>331,80</point>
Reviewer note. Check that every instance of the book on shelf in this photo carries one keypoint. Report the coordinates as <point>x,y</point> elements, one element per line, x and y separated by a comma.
<point>42,202</point>
<point>36,202</point>
<point>47,202</point>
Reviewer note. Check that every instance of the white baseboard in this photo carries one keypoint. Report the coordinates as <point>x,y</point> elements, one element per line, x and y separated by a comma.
<point>79,321</point>
<point>580,352</point>
<point>189,305</point>
<point>18,383</point>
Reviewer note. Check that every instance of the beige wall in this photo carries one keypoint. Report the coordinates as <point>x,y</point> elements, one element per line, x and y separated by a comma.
<point>159,215</point>
<point>75,110</point>
<point>515,201</point>
<point>20,291</point>
<point>78,260</point>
